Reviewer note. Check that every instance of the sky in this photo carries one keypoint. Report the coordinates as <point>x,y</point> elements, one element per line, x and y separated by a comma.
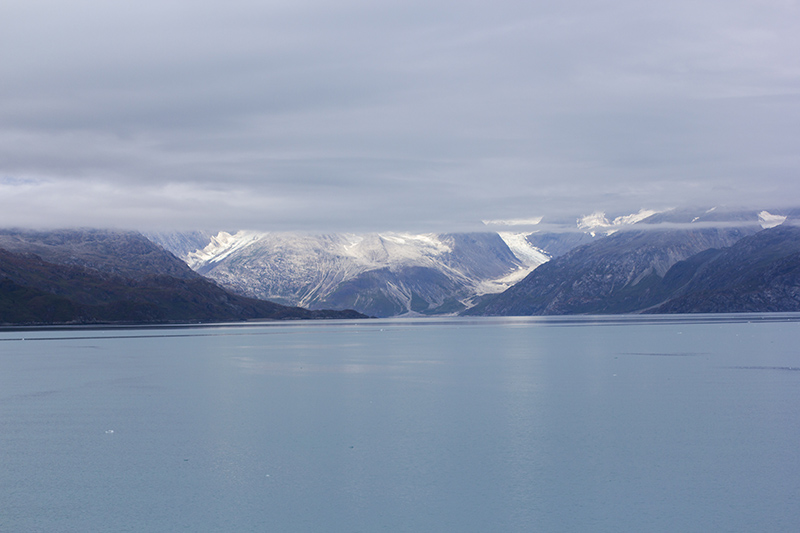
<point>351,115</point>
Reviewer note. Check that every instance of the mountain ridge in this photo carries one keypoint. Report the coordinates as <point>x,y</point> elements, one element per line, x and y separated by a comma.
<point>758,271</point>
<point>600,277</point>
<point>102,276</point>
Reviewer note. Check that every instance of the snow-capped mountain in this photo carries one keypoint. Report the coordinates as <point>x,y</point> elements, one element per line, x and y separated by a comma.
<point>388,274</point>
<point>382,274</point>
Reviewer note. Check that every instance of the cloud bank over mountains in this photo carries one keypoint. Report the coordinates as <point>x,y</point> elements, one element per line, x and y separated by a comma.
<point>412,116</point>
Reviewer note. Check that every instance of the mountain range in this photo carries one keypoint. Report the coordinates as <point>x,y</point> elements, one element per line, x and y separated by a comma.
<point>647,262</point>
<point>598,264</point>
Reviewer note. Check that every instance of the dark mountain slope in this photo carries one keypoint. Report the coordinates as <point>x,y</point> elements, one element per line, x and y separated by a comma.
<point>621,273</point>
<point>123,253</point>
<point>760,273</point>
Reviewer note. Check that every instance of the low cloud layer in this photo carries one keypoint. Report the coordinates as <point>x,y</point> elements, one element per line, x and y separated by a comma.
<point>402,116</point>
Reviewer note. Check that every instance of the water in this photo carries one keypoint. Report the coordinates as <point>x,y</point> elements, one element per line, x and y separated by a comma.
<point>616,424</point>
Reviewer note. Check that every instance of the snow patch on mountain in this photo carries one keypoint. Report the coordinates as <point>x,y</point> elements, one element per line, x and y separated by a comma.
<point>529,256</point>
<point>523,250</point>
<point>494,286</point>
<point>221,246</point>
<point>401,248</point>
<point>634,218</point>
<point>597,221</point>
<point>768,220</point>
<point>427,241</point>
<point>368,251</point>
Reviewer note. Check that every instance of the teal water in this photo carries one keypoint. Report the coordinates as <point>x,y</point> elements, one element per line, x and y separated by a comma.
<point>614,424</point>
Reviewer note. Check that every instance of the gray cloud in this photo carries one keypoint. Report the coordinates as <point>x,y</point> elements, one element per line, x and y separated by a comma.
<point>420,116</point>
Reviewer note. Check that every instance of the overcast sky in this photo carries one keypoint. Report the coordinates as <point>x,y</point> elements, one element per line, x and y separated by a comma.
<point>398,115</point>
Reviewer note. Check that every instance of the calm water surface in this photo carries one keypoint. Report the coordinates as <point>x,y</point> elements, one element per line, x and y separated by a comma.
<point>617,424</point>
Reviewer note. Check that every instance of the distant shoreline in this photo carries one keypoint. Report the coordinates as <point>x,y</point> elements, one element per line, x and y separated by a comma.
<point>549,320</point>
